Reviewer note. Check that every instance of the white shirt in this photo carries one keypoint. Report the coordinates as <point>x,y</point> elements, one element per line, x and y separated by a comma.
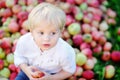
<point>61,56</point>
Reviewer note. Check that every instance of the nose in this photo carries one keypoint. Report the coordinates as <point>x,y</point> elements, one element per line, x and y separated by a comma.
<point>47,37</point>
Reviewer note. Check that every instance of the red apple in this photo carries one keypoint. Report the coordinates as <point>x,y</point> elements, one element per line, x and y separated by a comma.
<point>23,15</point>
<point>89,65</point>
<point>7,13</point>
<point>107,46</point>
<point>109,71</point>
<point>16,9</point>
<point>78,71</point>
<point>82,79</point>
<point>106,56</point>
<point>79,1</point>
<point>111,13</point>
<point>1,64</point>
<point>84,45</point>
<point>12,67</point>
<point>93,3</point>
<point>102,40</point>
<point>87,52</point>
<point>86,28</point>
<point>93,43</point>
<point>115,56</point>
<point>38,74</point>
<point>88,74</point>
<point>2,4</point>
<point>13,76</point>
<point>5,43</point>
<point>69,20</point>
<point>77,40</point>
<point>13,27</point>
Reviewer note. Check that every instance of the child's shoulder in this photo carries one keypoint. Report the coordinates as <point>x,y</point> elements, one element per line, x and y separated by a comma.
<point>25,36</point>
<point>64,47</point>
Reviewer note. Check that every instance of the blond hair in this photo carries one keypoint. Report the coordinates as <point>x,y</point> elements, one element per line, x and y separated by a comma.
<point>47,12</point>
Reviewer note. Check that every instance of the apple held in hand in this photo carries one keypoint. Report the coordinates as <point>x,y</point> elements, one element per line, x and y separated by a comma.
<point>38,74</point>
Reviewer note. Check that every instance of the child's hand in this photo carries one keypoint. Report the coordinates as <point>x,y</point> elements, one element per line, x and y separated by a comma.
<point>35,72</point>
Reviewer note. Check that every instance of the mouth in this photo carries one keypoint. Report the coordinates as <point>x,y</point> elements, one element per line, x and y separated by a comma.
<point>46,45</point>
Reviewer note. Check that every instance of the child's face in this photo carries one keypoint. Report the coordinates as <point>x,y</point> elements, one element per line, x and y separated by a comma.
<point>45,35</point>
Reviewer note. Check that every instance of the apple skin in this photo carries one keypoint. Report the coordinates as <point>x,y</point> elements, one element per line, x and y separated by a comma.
<point>12,67</point>
<point>10,58</point>
<point>106,56</point>
<point>88,74</point>
<point>1,64</point>
<point>74,28</point>
<point>78,71</point>
<point>5,72</point>
<point>38,74</point>
<point>115,56</point>
<point>109,71</point>
<point>77,39</point>
<point>81,59</point>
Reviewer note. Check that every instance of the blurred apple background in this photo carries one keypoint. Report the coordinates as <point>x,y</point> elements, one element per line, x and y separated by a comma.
<point>92,29</point>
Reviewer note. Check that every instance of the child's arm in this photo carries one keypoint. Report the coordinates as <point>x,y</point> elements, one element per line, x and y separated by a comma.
<point>58,76</point>
<point>28,70</point>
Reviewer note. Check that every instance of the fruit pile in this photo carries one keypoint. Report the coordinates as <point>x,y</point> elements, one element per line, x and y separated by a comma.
<point>89,30</point>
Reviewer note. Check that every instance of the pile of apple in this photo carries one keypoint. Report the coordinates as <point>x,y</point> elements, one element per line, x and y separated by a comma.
<point>86,30</point>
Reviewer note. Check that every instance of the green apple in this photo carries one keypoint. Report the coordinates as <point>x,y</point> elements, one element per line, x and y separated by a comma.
<point>80,59</point>
<point>74,28</point>
<point>87,38</point>
<point>10,58</point>
<point>79,16</point>
<point>2,54</point>
<point>6,64</point>
<point>5,72</point>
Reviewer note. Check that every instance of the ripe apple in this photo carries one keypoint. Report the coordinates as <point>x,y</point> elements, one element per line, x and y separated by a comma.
<point>83,6</point>
<point>10,58</point>
<point>2,54</point>
<point>84,45</point>
<point>16,9</point>
<point>88,74</point>
<point>74,28</point>
<point>89,64</point>
<point>5,43</point>
<point>115,56</point>
<point>1,64</point>
<point>69,19</point>
<point>86,28</point>
<point>2,33</point>
<point>87,38</point>
<point>103,26</point>
<point>13,27</point>
<point>10,3</point>
<point>106,56</point>
<point>81,59</point>
<point>38,74</point>
<point>107,46</point>
<point>6,64</point>
<point>78,71</point>
<point>88,52</point>
<point>77,39</point>
<point>12,67</point>
<point>5,72</point>
<point>13,76</point>
<point>79,16</point>
<point>109,71</point>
